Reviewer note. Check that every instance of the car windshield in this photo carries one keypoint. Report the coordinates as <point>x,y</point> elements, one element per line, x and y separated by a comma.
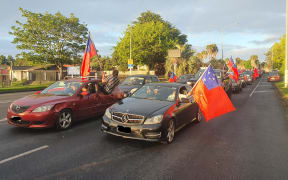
<point>161,93</point>
<point>273,73</point>
<point>199,73</point>
<point>185,77</point>
<point>62,88</point>
<point>133,81</point>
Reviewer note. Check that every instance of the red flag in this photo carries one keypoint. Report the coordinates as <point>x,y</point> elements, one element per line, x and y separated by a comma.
<point>234,69</point>
<point>210,96</point>
<point>255,75</point>
<point>90,51</point>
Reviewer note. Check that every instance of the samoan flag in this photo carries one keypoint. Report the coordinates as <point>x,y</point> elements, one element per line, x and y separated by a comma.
<point>232,66</point>
<point>210,96</point>
<point>90,51</point>
<point>173,77</point>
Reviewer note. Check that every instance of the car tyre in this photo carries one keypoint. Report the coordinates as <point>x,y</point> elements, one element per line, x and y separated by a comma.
<point>64,120</point>
<point>199,116</point>
<point>170,132</point>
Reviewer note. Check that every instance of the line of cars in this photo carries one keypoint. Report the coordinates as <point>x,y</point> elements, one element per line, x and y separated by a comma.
<point>139,108</point>
<point>152,112</point>
<point>225,78</point>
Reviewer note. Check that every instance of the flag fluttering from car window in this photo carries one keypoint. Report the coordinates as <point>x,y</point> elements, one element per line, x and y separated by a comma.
<point>232,66</point>
<point>90,51</point>
<point>210,96</point>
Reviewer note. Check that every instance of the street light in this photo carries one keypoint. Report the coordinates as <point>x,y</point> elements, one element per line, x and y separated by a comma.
<point>286,49</point>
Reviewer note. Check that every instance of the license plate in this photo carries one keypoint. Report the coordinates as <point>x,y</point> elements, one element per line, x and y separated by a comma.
<point>124,129</point>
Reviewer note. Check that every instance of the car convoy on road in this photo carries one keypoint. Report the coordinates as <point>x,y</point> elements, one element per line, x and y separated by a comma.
<point>141,107</point>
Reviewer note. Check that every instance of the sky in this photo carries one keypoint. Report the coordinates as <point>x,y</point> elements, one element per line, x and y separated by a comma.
<point>244,27</point>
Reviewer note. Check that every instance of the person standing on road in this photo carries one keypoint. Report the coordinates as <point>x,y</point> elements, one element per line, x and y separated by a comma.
<point>110,82</point>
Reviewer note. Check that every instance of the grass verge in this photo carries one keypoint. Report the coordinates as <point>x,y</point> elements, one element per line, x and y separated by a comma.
<point>23,88</point>
<point>282,91</point>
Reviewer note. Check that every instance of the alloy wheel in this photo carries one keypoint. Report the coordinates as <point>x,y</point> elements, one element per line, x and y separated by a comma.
<point>199,117</point>
<point>170,131</point>
<point>65,120</point>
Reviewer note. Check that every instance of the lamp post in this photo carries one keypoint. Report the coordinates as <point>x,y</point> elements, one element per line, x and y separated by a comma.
<point>286,49</point>
<point>130,48</point>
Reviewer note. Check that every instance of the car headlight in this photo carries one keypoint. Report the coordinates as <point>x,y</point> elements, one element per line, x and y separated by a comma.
<point>133,90</point>
<point>10,107</point>
<point>108,113</point>
<point>154,120</point>
<point>43,108</point>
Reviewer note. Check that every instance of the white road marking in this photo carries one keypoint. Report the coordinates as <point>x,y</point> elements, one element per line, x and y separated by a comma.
<point>262,91</point>
<point>266,85</point>
<point>2,120</point>
<point>23,154</point>
<point>255,88</point>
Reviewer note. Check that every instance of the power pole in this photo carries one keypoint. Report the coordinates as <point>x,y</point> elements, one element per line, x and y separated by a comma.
<point>286,49</point>
<point>272,58</point>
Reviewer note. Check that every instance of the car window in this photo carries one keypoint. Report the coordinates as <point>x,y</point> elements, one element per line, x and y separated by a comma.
<point>183,92</point>
<point>155,92</point>
<point>148,80</point>
<point>63,88</point>
<point>155,79</point>
<point>91,87</point>
<point>132,80</point>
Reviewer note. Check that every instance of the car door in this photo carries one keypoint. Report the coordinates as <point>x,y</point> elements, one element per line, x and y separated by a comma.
<point>95,101</point>
<point>82,105</point>
<point>185,111</point>
<point>104,100</point>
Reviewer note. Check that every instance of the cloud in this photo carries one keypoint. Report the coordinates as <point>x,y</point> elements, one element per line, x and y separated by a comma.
<point>268,40</point>
<point>245,53</point>
<point>201,20</point>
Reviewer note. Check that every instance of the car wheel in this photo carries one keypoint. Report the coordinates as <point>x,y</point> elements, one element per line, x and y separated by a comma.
<point>170,132</point>
<point>64,120</point>
<point>199,117</point>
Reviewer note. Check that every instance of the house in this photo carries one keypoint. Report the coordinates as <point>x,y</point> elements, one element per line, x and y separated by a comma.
<point>34,73</point>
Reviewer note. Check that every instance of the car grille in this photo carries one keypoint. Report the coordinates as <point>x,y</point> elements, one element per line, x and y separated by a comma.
<point>127,118</point>
<point>19,109</point>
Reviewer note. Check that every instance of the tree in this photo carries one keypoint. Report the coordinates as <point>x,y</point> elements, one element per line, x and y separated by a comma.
<point>3,59</point>
<point>276,56</point>
<point>254,61</point>
<point>151,39</point>
<point>202,56</point>
<point>10,59</point>
<point>49,37</point>
<point>212,51</point>
<point>217,64</point>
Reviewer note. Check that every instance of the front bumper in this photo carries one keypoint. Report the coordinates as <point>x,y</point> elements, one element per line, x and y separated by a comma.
<point>32,120</point>
<point>151,132</point>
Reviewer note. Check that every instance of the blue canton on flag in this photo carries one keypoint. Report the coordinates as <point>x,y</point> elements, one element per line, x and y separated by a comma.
<point>209,79</point>
<point>234,65</point>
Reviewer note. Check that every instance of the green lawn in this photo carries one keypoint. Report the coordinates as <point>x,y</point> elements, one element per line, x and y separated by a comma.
<point>18,87</point>
<point>282,89</point>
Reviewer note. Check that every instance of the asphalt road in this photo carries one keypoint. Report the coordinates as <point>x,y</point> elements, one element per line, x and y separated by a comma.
<point>250,143</point>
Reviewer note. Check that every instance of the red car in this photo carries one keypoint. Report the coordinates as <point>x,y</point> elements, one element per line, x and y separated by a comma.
<point>273,77</point>
<point>61,104</point>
